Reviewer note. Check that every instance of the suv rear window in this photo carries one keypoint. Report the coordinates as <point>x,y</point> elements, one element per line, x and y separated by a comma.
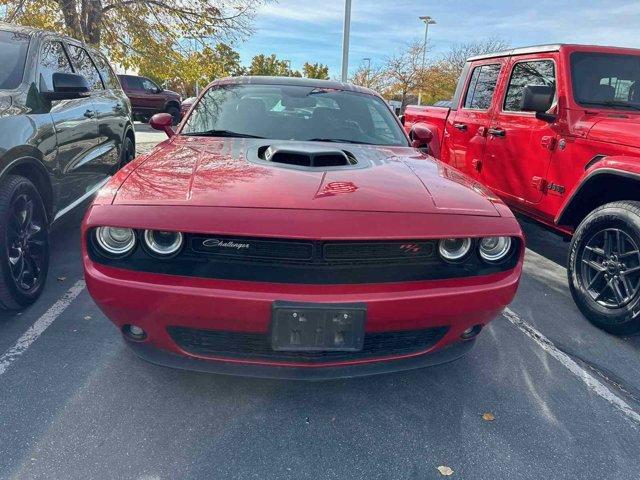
<point>13,55</point>
<point>481,87</point>
<point>607,80</point>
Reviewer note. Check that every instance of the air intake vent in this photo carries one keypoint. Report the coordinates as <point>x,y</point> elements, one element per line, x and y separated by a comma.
<point>310,156</point>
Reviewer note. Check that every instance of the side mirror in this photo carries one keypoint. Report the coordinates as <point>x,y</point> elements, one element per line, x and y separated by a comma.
<point>67,86</point>
<point>163,122</point>
<point>420,135</point>
<point>538,99</point>
<point>401,118</point>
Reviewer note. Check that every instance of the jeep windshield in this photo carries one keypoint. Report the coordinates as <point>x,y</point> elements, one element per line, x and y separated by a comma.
<point>13,54</point>
<point>293,112</point>
<point>604,80</point>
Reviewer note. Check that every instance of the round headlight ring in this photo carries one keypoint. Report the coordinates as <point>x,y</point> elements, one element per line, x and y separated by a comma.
<point>454,249</point>
<point>115,241</point>
<point>170,243</point>
<point>494,249</point>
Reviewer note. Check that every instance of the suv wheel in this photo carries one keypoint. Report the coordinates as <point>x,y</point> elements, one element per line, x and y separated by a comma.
<point>128,151</point>
<point>24,243</point>
<point>604,267</point>
<point>175,113</point>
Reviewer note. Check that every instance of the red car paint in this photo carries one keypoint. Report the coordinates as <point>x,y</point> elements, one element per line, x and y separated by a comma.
<point>555,172</point>
<point>203,185</point>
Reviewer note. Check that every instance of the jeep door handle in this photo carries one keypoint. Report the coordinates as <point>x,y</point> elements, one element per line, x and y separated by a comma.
<point>460,126</point>
<point>496,132</point>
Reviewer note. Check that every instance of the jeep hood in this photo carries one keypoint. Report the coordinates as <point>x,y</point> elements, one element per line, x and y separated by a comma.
<point>623,129</point>
<point>202,171</point>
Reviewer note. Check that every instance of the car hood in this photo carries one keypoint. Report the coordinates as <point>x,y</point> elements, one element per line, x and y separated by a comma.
<point>201,171</point>
<point>623,129</point>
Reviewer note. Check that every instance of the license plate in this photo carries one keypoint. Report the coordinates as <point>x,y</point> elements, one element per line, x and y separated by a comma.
<point>313,327</point>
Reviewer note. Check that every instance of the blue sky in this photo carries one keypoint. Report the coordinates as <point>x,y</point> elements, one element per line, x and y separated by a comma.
<point>311,30</point>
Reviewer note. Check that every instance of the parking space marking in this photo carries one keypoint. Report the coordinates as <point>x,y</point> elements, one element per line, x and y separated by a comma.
<point>37,329</point>
<point>589,380</point>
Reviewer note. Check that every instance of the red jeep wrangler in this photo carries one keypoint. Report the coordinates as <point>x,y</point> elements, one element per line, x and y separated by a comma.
<point>555,132</point>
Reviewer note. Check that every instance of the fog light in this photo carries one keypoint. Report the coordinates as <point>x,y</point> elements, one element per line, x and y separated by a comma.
<point>471,332</point>
<point>134,332</point>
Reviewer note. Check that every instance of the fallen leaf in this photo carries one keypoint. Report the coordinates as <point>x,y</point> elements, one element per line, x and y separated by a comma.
<point>445,471</point>
<point>62,279</point>
<point>489,417</point>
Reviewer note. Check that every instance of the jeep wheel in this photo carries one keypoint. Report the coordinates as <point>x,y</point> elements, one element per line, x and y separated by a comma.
<point>175,113</point>
<point>24,243</point>
<point>604,267</point>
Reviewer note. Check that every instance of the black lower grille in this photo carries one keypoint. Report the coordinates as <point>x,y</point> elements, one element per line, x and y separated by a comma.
<point>257,346</point>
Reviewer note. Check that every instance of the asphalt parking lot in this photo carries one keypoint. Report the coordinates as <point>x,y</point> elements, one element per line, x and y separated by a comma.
<point>75,403</point>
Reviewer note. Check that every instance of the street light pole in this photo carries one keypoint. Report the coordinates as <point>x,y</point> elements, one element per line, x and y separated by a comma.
<point>345,40</point>
<point>427,21</point>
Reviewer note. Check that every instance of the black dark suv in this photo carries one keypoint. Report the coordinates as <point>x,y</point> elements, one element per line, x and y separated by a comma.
<point>65,128</point>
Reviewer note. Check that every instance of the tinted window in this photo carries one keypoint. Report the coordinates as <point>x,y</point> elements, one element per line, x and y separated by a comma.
<point>538,73</point>
<point>13,54</point>
<point>149,86</point>
<point>84,66</point>
<point>296,113</point>
<point>606,79</point>
<point>52,59</point>
<point>108,77</point>
<point>134,83</point>
<point>481,87</point>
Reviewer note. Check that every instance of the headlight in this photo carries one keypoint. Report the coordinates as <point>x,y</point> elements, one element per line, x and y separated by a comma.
<point>453,249</point>
<point>115,241</point>
<point>494,249</point>
<point>163,243</point>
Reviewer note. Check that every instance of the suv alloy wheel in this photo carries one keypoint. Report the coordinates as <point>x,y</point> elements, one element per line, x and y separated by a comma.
<point>24,243</point>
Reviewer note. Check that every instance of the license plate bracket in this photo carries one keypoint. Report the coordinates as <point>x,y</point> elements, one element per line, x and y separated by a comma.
<point>317,327</point>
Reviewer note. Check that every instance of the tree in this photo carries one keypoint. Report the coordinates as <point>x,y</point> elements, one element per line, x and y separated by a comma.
<point>271,65</point>
<point>367,76</point>
<point>133,32</point>
<point>316,70</point>
<point>458,55</point>
<point>404,72</point>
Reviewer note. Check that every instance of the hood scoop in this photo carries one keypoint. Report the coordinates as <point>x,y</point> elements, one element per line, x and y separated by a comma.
<point>306,156</point>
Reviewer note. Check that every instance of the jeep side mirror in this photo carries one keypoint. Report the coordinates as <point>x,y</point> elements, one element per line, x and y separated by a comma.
<point>538,99</point>
<point>420,135</point>
<point>67,86</point>
<point>163,122</point>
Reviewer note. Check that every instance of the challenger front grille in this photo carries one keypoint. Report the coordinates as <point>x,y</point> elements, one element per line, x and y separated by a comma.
<point>257,346</point>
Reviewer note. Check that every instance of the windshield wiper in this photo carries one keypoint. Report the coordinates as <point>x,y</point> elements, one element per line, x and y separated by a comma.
<point>337,140</point>
<point>222,133</point>
<point>611,103</point>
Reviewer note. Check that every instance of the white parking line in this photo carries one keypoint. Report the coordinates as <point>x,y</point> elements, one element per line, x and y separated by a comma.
<point>40,326</point>
<point>589,380</point>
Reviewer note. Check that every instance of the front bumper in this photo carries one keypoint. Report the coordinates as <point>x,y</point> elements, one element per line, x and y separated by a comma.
<point>156,302</point>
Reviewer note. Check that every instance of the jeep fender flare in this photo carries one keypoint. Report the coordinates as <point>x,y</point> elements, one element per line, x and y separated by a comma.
<point>618,166</point>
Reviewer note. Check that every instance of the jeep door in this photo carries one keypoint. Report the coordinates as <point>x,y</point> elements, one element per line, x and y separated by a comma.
<point>73,121</point>
<point>519,146</point>
<point>466,127</point>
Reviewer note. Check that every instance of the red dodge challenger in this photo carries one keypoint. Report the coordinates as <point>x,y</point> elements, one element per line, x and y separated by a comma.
<point>291,229</point>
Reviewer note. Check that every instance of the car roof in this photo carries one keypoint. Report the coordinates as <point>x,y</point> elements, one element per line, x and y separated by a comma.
<point>555,47</point>
<point>35,32</point>
<point>293,81</point>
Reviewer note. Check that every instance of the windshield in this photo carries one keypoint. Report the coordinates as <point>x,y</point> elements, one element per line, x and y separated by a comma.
<point>606,80</point>
<point>287,112</point>
<point>13,53</point>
